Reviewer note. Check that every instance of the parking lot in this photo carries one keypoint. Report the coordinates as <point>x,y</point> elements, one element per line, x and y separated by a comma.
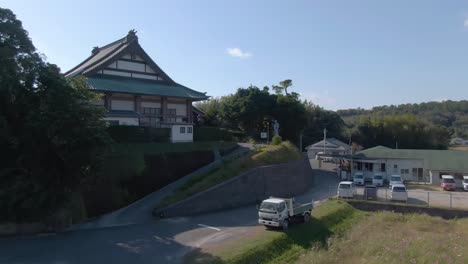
<point>418,194</point>
<point>421,196</point>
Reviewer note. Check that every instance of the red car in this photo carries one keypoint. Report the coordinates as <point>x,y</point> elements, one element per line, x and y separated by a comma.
<point>448,183</point>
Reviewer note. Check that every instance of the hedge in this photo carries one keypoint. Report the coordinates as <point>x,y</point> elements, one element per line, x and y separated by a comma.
<point>215,134</point>
<point>139,134</point>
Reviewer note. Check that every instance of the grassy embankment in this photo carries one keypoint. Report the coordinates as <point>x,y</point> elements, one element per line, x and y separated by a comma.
<point>260,156</point>
<point>125,165</point>
<point>340,233</point>
<point>127,159</point>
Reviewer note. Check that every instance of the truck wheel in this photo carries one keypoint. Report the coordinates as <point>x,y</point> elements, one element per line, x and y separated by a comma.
<point>307,218</point>
<point>285,224</point>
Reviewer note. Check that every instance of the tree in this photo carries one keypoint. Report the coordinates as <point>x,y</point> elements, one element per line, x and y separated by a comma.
<point>284,85</point>
<point>318,119</point>
<point>51,138</point>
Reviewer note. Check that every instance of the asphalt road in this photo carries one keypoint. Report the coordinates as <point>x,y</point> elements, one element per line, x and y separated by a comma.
<point>152,241</point>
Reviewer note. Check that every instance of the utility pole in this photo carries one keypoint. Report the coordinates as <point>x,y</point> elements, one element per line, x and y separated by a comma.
<point>300,142</point>
<point>268,131</point>
<point>324,140</point>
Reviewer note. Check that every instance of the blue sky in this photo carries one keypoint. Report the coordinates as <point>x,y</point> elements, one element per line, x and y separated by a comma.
<point>339,54</point>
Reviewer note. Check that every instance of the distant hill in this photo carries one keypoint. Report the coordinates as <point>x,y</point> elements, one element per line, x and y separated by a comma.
<point>450,114</point>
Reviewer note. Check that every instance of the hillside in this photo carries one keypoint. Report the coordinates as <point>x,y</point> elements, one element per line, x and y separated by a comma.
<point>450,114</point>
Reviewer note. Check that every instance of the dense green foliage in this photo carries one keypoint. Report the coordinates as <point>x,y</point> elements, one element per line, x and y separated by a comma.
<point>276,140</point>
<point>131,170</point>
<point>139,134</point>
<point>215,134</point>
<point>253,110</point>
<point>51,138</point>
<point>450,114</point>
<point>402,131</point>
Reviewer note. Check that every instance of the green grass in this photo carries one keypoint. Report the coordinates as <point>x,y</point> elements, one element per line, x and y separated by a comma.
<point>259,157</point>
<point>387,237</point>
<point>340,233</point>
<point>127,159</point>
<point>333,217</point>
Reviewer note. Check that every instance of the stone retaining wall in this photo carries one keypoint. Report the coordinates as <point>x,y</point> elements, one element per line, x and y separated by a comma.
<point>282,180</point>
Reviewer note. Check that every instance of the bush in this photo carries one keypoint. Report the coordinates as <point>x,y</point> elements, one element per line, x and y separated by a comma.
<point>139,134</point>
<point>114,190</point>
<point>276,140</point>
<point>211,134</point>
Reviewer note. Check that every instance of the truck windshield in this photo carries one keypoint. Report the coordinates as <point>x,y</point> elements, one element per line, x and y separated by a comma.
<point>465,181</point>
<point>448,180</point>
<point>358,176</point>
<point>268,207</point>
<point>395,178</point>
<point>345,186</point>
<point>378,177</point>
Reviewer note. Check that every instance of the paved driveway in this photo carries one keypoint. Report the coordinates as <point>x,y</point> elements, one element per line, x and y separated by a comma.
<point>162,241</point>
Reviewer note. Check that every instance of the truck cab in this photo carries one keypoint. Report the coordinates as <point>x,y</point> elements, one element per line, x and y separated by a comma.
<point>395,179</point>
<point>378,179</point>
<point>279,212</point>
<point>465,183</point>
<point>358,178</point>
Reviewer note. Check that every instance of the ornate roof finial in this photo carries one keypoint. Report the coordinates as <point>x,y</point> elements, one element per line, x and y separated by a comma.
<point>131,36</point>
<point>95,50</point>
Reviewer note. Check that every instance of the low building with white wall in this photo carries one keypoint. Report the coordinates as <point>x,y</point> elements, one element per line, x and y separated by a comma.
<point>137,92</point>
<point>419,165</point>
<point>331,146</point>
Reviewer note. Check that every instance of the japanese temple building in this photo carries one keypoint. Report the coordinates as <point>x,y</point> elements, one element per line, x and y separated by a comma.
<point>136,91</point>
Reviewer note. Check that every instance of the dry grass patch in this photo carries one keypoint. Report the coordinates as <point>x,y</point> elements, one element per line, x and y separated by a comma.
<point>387,237</point>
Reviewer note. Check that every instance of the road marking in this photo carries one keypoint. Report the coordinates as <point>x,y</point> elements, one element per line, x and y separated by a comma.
<point>210,227</point>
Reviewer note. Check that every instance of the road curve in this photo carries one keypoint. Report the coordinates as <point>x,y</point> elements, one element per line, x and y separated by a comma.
<point>153,241</point>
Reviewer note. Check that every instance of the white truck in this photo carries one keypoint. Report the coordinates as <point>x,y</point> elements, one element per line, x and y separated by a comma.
<point>280,212</point>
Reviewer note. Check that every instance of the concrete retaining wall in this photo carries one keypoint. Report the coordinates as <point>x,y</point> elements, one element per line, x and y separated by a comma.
<point>283,180</point>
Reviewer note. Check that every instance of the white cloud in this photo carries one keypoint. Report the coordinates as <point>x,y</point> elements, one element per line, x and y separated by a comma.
<point>465,23</point>
<point>236,52</point>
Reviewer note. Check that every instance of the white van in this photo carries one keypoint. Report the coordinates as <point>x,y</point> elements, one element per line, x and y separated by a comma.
<point>358,178</point>
<point>377,180</point>
<point>398,193</point>
<point>346,190</point>
<point>465,183</point>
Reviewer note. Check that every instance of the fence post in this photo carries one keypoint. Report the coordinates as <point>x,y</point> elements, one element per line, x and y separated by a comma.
<point>450,200</point>
<point>428,198</point>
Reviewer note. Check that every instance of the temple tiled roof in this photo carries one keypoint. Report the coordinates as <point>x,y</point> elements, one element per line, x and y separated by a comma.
<point>144,87</point>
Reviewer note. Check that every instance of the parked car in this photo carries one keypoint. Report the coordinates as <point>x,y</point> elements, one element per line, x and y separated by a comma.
<point>395,179</point>
<point>465,183</point>
<point>398,193</point>
<point>448,183</point>
<point>346,189</point>
<point>370,192</point>
<point>358,178</point>
<point>378,180</point>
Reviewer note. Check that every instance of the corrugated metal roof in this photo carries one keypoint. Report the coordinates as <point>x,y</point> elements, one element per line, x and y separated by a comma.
<point>116,84</point>
<point>450,160</point>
